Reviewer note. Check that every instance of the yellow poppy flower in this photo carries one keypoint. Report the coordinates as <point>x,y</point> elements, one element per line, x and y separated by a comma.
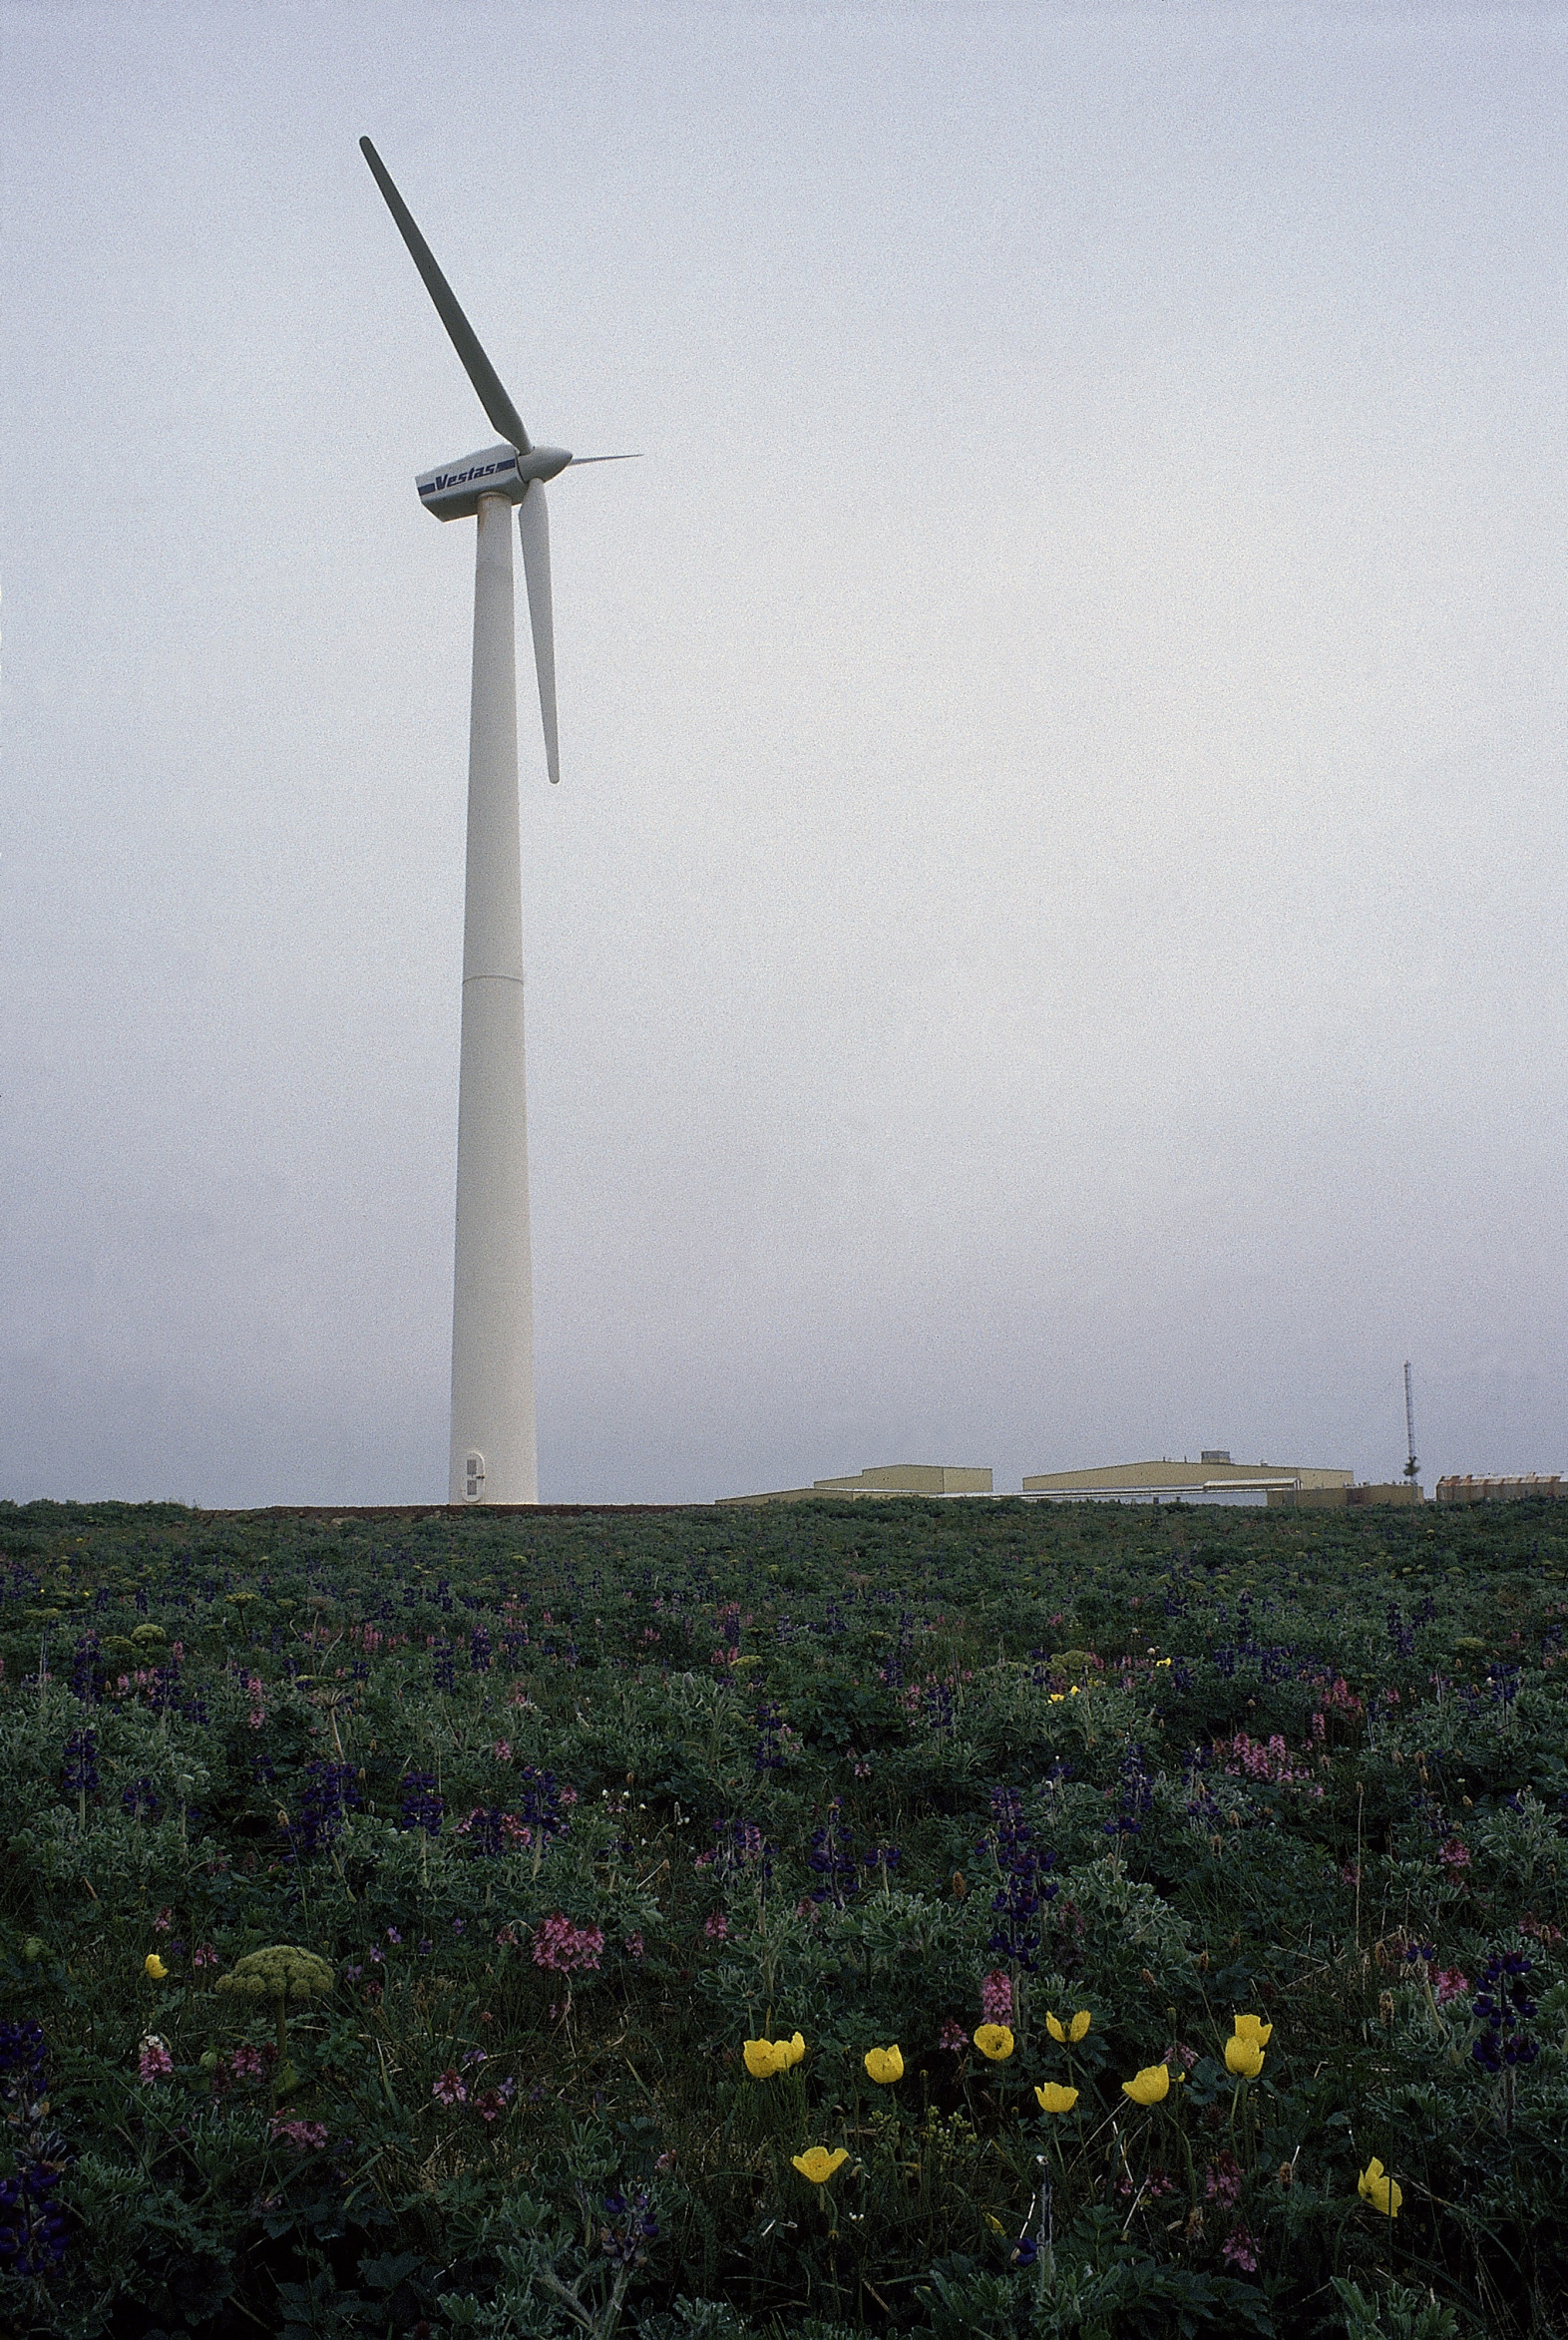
<point>1151,2086</point>
<point>1053,2099</point>
<point>1073,2030</point>
<point>1243,2055</point>
<point>995,2042</point>
<point>1375,2186</point>
<point>765,2058</point>
<point>1252,2026</point>
<point>156,1967</point>
<point>884,2065</point>
<point>818,2163</point>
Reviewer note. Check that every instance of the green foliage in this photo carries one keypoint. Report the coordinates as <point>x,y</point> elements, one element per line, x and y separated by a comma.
<point>526,1825</point>
<point>1397,2315</point>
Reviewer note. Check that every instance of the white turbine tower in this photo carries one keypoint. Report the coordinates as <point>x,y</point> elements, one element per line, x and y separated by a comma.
<point>494,1457</point>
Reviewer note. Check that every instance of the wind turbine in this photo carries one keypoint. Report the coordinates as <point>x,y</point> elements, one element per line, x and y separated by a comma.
<point>494,1453</point>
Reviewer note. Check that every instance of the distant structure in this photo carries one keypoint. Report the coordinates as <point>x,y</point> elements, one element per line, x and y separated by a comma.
<point>1506,1490</point>
<point>896,1478</point>
<point>1212,1478</point>
<point>1345,1499</point>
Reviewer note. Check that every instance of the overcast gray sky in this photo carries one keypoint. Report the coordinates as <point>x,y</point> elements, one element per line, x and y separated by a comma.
<point>1049,948</point>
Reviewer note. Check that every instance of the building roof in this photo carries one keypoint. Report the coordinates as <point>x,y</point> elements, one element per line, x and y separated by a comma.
<point>895,1478</point>
<point>1214,1473</point>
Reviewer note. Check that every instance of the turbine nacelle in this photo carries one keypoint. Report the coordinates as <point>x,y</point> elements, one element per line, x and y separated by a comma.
<point>453,491</point>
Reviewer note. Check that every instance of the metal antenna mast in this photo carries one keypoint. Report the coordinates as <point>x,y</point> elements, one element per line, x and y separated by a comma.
<point>1413,1466</point>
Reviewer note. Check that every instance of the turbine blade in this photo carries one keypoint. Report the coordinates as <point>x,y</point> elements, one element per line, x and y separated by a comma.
<point>533,527</point>
<point>492,396</point>
<point>637,458</point>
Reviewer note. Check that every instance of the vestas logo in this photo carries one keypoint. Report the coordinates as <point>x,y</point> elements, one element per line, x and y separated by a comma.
<point>456,479</point>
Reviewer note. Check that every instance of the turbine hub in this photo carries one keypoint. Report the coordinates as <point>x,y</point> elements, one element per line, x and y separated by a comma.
<point>543,463</point>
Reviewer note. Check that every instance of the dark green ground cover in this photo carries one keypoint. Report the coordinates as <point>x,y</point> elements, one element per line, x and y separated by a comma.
<point>572,1806</point>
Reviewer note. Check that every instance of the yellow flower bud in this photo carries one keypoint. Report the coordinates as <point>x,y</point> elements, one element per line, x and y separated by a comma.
<point>1053,2098</point>
<point>818,2165</point>
<point>1151,2086</point>
<point>1375,2186</point>
<point>884,2065</point>
<point>995,2042</point>
<point>1073,2030</point>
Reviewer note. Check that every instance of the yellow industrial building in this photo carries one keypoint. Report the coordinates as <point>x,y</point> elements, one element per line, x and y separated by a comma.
<point>1213,1478</point>
<point>1377,1493</point>
<point>1211,1475</point>
<point>1518,1488</point>
<point>896,1478</point>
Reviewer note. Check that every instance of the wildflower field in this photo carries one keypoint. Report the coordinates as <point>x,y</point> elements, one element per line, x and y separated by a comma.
<point>942,1917</point>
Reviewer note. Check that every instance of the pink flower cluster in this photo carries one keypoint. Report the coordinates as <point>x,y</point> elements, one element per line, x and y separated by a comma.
<point>996,1997</point>
<point>153,2061</point>
<point>1456,1854</point>
<point>1252,1760</point>
<point>244,2063</point>
<point>1449,1983</point>
<point>715,1926</point>
<point>449,2087</point>
<point>1222,2180</point>
<point>952,2036</point>
<point>1155,2184</point>
<point>306,2136</point>
<point>565,1948</point>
